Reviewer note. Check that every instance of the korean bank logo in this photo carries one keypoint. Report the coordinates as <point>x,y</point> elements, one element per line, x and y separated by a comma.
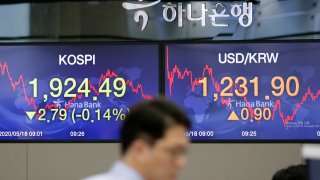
<point>172,11</point>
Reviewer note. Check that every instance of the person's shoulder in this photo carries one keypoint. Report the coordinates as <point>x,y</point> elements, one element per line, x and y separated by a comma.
<point>103,176</point>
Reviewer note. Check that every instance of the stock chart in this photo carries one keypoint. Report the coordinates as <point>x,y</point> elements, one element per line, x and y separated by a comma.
<point>246,91</point>
<point>73,92</point>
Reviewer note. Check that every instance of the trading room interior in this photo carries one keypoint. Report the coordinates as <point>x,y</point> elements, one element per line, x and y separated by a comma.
<point>244,72</point>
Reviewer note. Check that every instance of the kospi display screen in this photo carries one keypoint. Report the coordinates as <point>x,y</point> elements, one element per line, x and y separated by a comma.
<point>246,91</point>
<point>73,91</point>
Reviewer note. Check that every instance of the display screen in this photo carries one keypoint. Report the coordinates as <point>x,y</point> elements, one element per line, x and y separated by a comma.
<point>246,91</point>
<point>73,92</point>
<point>313,168</point>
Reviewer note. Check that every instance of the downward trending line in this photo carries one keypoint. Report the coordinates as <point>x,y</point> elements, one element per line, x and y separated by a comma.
<point>4,69</point>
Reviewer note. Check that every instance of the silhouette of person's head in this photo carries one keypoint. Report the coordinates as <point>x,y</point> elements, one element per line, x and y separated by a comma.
<point>297,172</point>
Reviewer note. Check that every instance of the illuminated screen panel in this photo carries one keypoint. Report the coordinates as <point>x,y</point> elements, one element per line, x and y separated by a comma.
<point>73,92</point>
<point>252,91</point>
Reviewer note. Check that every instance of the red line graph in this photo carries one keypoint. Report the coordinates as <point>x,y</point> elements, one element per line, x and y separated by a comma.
<point>177,74</point>
<point>4,69</point>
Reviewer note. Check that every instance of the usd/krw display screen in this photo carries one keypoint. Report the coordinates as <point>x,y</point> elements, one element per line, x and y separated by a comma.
<point>246,91</point>
<point>73,92</point>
